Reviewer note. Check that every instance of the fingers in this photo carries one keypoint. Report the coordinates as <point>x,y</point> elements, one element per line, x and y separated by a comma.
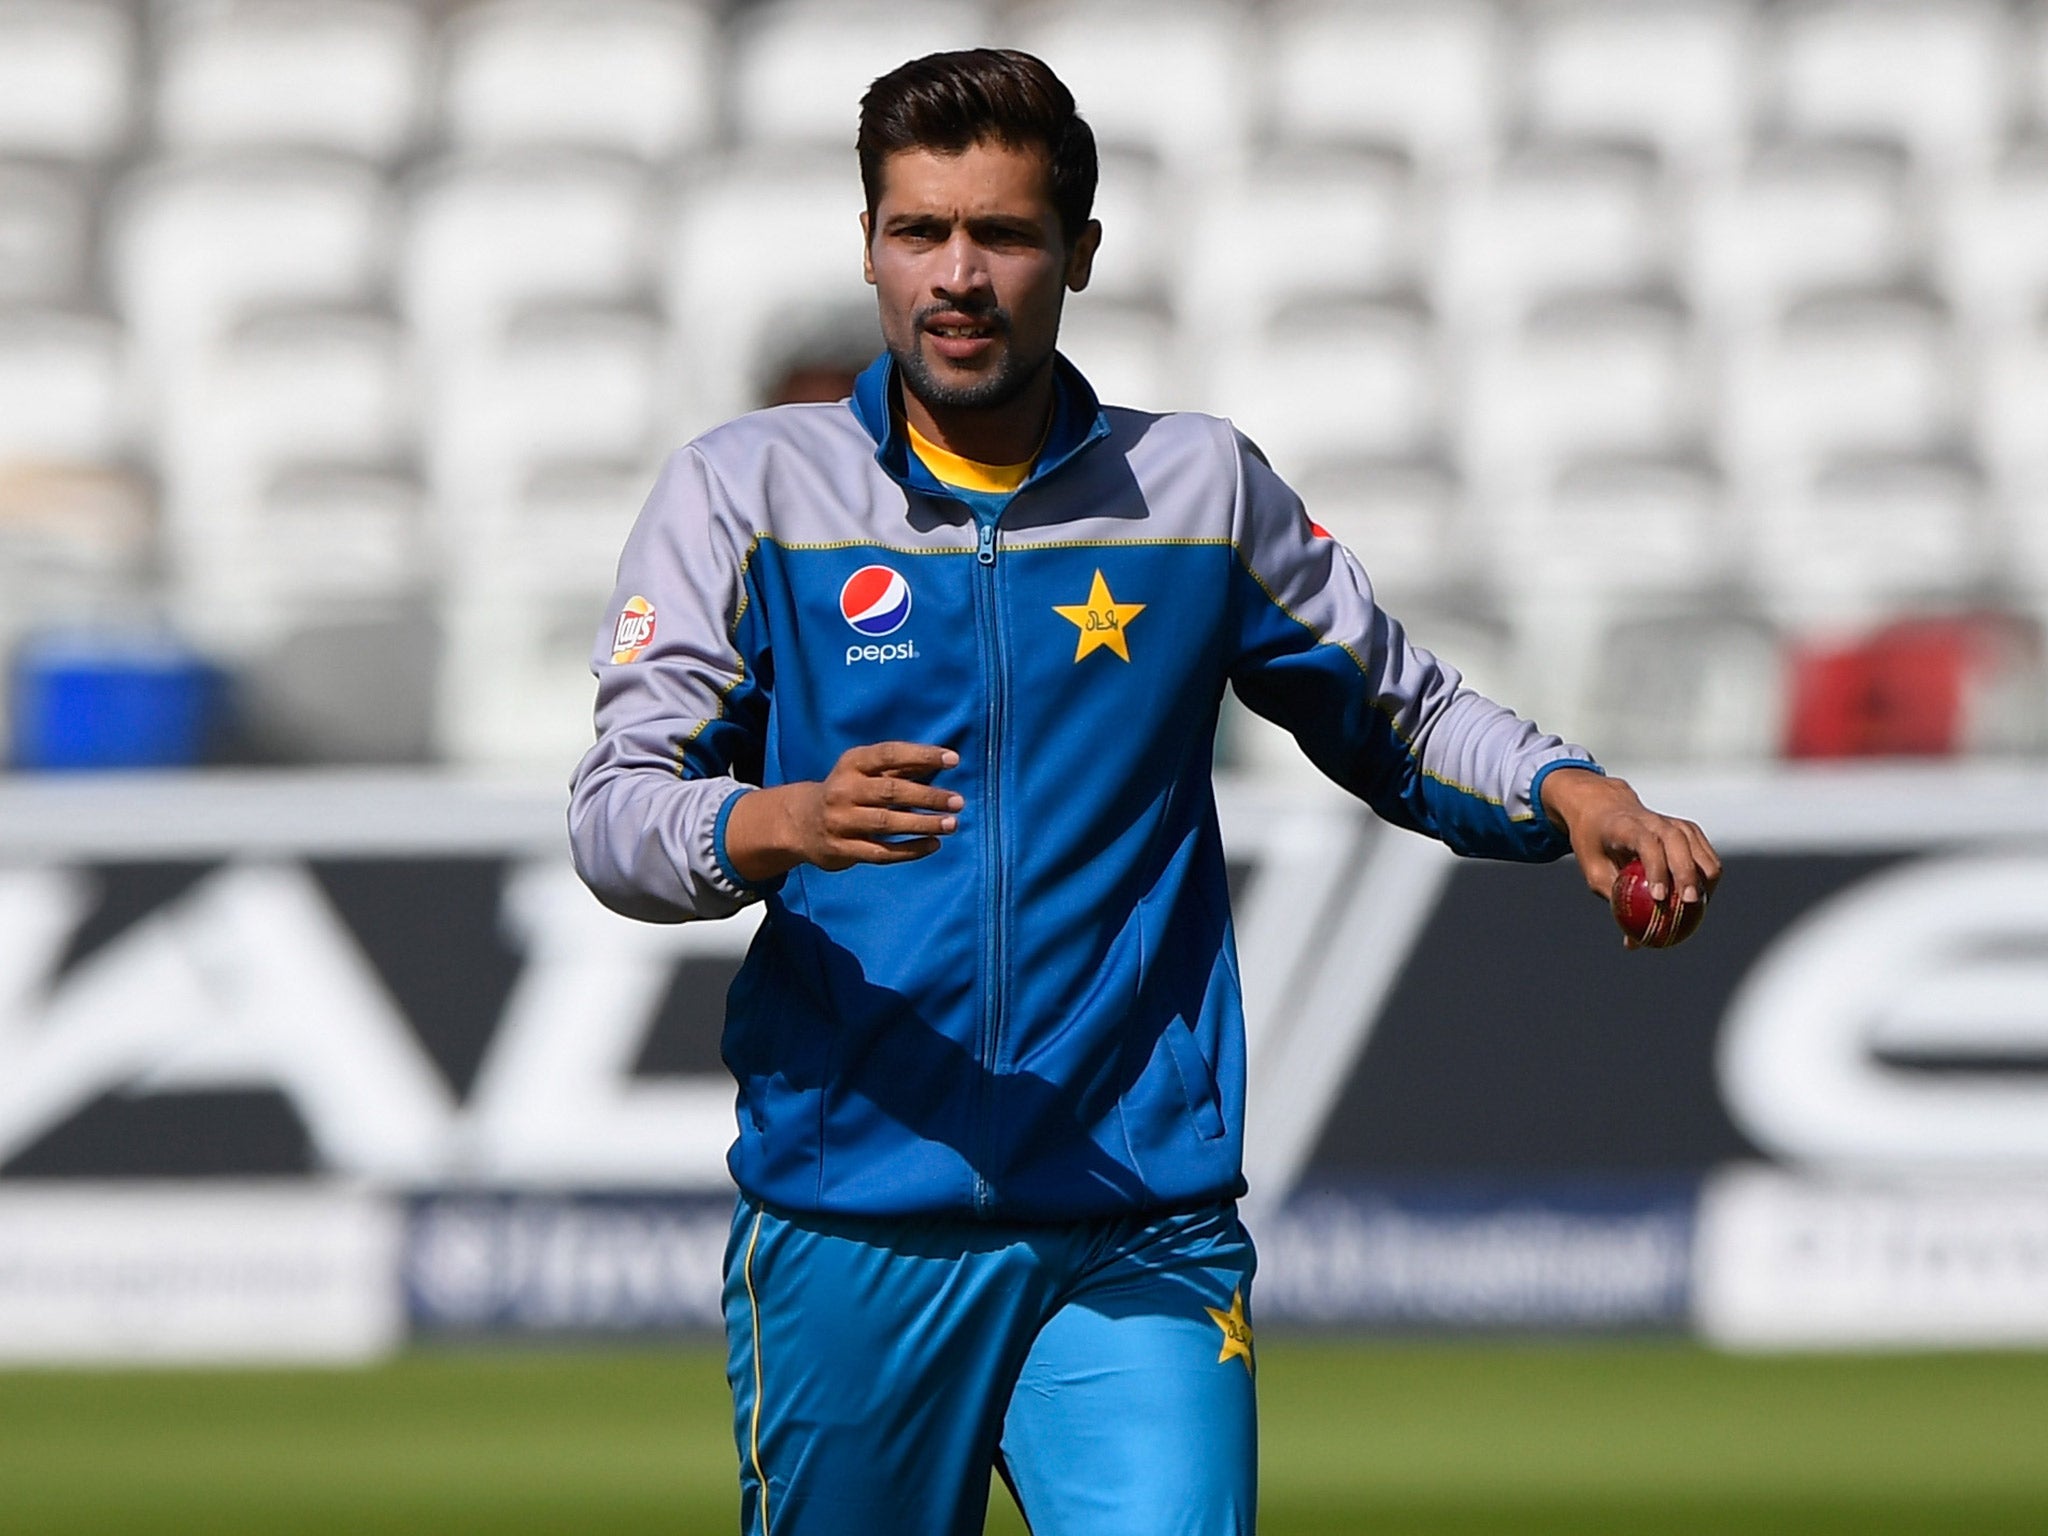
<point>900,758</point>
<point>874,808</point>
<point>1676,857</point>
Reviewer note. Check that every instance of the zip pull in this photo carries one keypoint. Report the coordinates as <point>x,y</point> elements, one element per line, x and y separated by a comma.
<point>985,551</point>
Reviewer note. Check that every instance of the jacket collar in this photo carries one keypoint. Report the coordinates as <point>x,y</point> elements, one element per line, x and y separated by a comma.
<point>1077,422</point>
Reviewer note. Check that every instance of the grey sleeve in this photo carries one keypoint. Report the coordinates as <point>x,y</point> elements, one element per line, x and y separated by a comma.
<point>680,718</point>
<point>1384,718</point>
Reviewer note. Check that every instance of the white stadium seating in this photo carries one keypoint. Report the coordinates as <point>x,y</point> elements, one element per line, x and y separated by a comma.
<point>1300,222</point>
<point>1867,534</point>
<point>1553,219</point>
<point>1423,77</point>
<point>46,217</point>
<point>63,387</point>
<point>563,384</point>
<point>1128,351</point>
<point>341,75</point>
<point>488,235</point>
<point>1929,74</point>
<point>1588,378</point>
<point>1566,315</point>
<point>194,245</point>
<point>1670,74</point>
<point>67,78</point>
<point>1165,77</point>
<point>736,302</point>
<point>635,77</point>
<point>1804,215</point>
<point>1333,379</point>
<point>800,67</point>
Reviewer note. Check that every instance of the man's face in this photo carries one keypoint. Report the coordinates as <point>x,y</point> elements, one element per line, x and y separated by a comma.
<point>970,267</point>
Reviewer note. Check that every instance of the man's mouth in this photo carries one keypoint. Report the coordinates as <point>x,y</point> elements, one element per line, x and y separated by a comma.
<point>962,338</point>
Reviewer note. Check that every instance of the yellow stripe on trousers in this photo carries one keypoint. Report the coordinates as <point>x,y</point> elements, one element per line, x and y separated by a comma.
<point>754,1430</point>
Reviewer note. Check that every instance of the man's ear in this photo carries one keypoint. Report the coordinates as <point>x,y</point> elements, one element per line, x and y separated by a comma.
<point>1081,259</point>
<point>867,248</point>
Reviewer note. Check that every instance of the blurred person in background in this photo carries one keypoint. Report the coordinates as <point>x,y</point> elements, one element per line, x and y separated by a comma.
<point>934,672</point>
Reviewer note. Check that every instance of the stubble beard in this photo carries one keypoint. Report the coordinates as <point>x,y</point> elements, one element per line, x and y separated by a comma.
<point>1011,376</point>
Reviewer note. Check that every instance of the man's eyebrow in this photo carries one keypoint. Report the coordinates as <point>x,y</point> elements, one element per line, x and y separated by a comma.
<point>1006,222</point>
<point>914,220</point>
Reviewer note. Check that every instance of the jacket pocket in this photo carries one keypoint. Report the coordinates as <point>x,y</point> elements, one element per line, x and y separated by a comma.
<point>1197,1080</point>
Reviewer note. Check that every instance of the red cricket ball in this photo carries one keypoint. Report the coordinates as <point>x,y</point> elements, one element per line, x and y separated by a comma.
<point>1652,924</point>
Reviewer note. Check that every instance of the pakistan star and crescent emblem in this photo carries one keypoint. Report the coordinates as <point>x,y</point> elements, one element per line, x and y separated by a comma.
<point>1237,1332</point>
<point>1101,620</point>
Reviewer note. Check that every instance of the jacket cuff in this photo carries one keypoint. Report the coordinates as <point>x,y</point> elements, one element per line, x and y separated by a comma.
<point>739,884</point>
<point>1536,785</point>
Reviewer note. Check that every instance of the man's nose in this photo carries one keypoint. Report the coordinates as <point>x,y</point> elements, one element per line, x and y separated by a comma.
<point>963,271</point>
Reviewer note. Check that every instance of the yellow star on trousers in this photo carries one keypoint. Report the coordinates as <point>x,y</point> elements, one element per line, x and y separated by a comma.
<point>1237,1333</point>
<point>1102,620</point>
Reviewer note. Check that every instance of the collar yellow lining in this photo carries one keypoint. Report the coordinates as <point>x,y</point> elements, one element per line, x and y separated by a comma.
<point>967,474</point>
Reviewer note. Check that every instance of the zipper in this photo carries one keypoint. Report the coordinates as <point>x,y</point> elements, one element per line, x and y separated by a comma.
<point>991,1031</point>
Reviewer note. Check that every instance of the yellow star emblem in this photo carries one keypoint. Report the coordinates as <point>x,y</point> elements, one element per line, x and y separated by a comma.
<point>1237,1333</point>
<point>1102,620</point>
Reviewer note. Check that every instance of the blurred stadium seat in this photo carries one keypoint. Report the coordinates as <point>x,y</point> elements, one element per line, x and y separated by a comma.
<point>564,383</point>
<point>738,303</point>
<point>1127,351</point>
<point>514,688</point>
<point>1552,219</point>
<point>63,387</point>
<point>799,67</point>
<point>68,84</point>
<point>1845,372</point>
<point>348,76</point>
<point>636,77</point>
<point>1403,517</point>
<point>2012,404</point>
<point>1803,215</point>
<point>284,388</point>
<point>1590,376</point>
<point>488,235</point>
<point>196,244</point>
<point>1690,685</point>
<point>46,222</point>
<point>1143,261</point>
<point>1670,75</point>
<point>1188,105</point>
<point>1871,533</point>
<point>1993,243</point>
<point>1930,75</point>
<point>1335,379</point>
<point>1299,223</point>
<point>1423,78</point>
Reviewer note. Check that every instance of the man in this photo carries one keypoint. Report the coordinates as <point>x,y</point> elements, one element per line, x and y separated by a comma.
<point>968,632</point>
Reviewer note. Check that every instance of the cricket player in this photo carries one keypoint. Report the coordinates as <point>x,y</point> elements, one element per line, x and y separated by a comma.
<point>933,673</point>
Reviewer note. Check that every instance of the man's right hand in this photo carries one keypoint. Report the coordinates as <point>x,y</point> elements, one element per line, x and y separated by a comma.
<point>873,808</point>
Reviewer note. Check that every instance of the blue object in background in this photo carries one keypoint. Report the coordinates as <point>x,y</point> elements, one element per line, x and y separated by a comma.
<point>142,701</point>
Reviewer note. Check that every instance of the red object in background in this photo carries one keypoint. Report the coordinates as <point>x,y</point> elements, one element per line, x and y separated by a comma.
<point>1909,690</point>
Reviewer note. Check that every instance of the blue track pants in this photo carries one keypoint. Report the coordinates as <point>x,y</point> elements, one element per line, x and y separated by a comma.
<point>881,1369</point>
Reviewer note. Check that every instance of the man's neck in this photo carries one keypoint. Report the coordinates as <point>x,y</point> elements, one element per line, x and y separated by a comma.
<point>1009,433</point>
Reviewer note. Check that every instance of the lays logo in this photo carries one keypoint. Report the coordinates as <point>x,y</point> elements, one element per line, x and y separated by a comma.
<point>634,632</point>
<point>875,601</point>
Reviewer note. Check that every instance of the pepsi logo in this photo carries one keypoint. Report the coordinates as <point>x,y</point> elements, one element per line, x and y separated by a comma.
<point>875,600</point>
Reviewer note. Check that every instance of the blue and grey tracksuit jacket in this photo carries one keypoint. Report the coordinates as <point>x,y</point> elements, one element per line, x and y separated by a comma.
<point>1041,1020</point>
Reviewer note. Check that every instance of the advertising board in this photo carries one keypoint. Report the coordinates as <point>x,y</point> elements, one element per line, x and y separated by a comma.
<point>1468,1105</point>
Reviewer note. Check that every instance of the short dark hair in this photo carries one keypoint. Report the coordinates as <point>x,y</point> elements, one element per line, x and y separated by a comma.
<point>949,102</point>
